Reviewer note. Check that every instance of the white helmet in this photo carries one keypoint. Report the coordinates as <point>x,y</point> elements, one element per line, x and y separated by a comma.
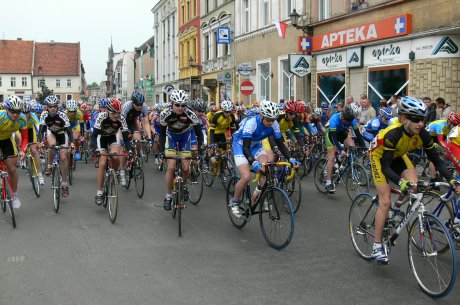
<point>318,111</point>
<point>355,109</point>
<point>71,105</point>
<point>412,106</point>
<point>226,106</point>
<point>179,96</point>
<point>269,110</point>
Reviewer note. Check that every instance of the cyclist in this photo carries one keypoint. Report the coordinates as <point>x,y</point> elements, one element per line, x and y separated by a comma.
<point>106,137</point>
<point>177,122</point>
<point>12,120</point>
<point>376,124</point>
<point>337,138</point>
<point>221,122</point>
<point>32,123</point>
<point>199,106</point>
<point>389,160</point>
<point>58,132</point>
<point>247,147</point>
<point>75,117</point>
<point>325,115</point>
<point>154,118</point>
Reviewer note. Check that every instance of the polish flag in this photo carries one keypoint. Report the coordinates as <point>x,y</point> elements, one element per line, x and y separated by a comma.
<point>281,26</point>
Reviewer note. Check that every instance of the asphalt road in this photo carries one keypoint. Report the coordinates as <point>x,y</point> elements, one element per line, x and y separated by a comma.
<point>79,257</point>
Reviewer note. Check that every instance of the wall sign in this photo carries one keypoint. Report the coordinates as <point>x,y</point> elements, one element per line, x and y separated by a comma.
<point>223,35</point>
<point>300,65</point>
<point>355,57</point>
<point>331,61</point>
<point>436,47</point>
<point>304,44</point>
<point>387,54</point>
<point>245,69</point>
<point>392,27</point>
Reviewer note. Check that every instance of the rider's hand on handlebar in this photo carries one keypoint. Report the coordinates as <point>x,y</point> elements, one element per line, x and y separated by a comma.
<point>405,185</point>
<point>455,185</point>
<point>256,166</point>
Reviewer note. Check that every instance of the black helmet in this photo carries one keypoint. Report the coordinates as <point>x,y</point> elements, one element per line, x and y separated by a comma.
<point>348,114</point>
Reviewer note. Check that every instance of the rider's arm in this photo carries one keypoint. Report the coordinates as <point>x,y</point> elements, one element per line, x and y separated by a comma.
<point>358,135</point>
<point>246,150</point>
<point>282,148</point>
<point>199,134</point>
<point>385,162</point>
<point>214,124</point>
<point>94,134</point>
<point>233,124</point>
<point>162,139</point>
<point>24,139</point>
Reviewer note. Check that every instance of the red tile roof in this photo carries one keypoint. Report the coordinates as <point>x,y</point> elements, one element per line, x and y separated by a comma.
<point>16,56</point>
<point>57,58</point>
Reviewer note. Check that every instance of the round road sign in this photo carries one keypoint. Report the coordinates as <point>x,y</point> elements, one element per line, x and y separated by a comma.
<point>247,88</point>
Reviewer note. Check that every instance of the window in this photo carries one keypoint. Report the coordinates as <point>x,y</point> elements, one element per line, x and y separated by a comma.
<point>182,8</point>
<point>264,81</point>
<point>194,8</point>
<point>206,48</point>
<point>69,82</point>
<point>13,81</point>
<point>245,22</point>
<point>286,81</point>
<point>265,12</point>
<point>24,81</point>
<point>216,46</point>
<point>187,11</point>
<point>331,87</point>
<point>324,9</point>
<point>58,96</point>
<point>58,83</point>
<point>0,81</point>
<point>69,97</point>
<point>215,4</point>
<point>383,82</point>
<point>206,6</point>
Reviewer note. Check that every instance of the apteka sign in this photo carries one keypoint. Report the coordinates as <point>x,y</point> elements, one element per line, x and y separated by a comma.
<point>396,26</point>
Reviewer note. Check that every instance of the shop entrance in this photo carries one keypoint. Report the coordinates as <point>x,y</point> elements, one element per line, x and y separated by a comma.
<point>384,82</point>
<point>331,87</point>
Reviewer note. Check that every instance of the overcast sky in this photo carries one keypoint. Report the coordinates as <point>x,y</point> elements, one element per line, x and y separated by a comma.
<point>90,22</point>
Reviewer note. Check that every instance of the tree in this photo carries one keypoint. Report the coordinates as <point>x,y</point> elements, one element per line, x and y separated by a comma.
<point>93,85</point>
<point>44,94</point>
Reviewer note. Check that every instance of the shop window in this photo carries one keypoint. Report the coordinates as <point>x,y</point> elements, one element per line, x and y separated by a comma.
<point>264,81</point>
<point>383,82</point>
<point>331,87</point>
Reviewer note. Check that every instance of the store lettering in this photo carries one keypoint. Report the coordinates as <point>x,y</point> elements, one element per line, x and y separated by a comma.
<point>386,51</point>
<point>350,36</point>
<point>336,58</point>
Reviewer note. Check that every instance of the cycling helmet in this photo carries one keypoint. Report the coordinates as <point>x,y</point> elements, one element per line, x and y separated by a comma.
<point>51,100</point>
<point>453,119</point>
<point>137,98</point>
<point>32,103</point>
<point>300,107</point>
<point>325,105</point>
<point>355,109</point>
<point>71,105</point>
<point>26,107</point>
<point>102,102</point>
<point>348,114</point>
<point>412,106</point>
<point>318,111</point>
<point>226,106</point>
<point>96,107</point>
<point>385,112</point>
<point>291,106</point>
<point>281,106</point>
<point>249,112</point>
<point>14,103</point>
<point>157,108</point>
<point>114,105</point>
<point>269,110</point>
<point>199,105</point>
<point>179,96</point>
<point>39,108</point>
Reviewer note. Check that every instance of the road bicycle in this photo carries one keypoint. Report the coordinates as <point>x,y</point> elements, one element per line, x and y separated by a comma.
<point>195,181</point>
<point>290,183</point>
<point>346,171</point>
<point>223,166</point>
<point>31,170</point>
<point>6,194</point>
<point>276,215</point>
<point>134,171</point>
<point>430,248</point>
<point>56,176</point>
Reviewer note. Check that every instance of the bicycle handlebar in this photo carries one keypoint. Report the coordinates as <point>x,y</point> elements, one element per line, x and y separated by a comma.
<point>277,164</point>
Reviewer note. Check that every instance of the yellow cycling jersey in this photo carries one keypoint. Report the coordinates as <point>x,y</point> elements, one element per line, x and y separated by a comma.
<point>8,126</point>
<point>220,123</point>
<point>209,116</point>
<point>76,116</point>
<point>32,121</point>
<point>395,138</point>
<point>454,136</point>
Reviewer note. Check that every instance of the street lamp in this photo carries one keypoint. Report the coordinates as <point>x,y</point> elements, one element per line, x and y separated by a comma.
<point>306,28</point>
<point>191,63</point>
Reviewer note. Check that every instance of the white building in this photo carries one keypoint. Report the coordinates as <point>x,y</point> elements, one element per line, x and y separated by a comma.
<point>123,75</point>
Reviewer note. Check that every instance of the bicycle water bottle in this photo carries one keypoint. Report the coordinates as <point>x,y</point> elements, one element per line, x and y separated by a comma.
<point>255,194</point>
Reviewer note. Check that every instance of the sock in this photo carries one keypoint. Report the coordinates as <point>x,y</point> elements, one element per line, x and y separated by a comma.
<point>376,245</point>
<point>328,182</point>
<point>168,195</point>
<point>122,172</point>
<point>99,192</point>
<point>394,206</point>
<point>64,184</point>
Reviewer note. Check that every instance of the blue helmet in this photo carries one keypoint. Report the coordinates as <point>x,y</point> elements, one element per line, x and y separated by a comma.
<point>39,108</point>
<point>386,113</point>
<point>411,106</point>
<point>103,102</point>
<point>325,105</point>
<point>137,98</point>
<point>248,112</point>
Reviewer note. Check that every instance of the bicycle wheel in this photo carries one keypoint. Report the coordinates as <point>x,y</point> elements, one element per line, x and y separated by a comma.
<point>320,175</point>
<point>138,175</point>
<point>276,220</point>
<point>293,189</point>
<point>443,210</point>
<point>56,186</point>
<point>8,201</point>
<point>356,181</point>
<point>208,177</point>
<point>70,167</point>
<point>195,184</point>
<point>361,224</point>
<point>227,171</point>
<point>179,206</point>
<point>435,272</point>
<point>33,175</point>
<point>112,196</point>
<point>237,222</point>
<point>129,172</point>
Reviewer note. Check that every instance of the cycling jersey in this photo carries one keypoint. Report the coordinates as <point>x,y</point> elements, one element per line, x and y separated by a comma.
<point>438,130</point>
<point>373,127</point>
<point>56,124</point>
<point>131,114</point>
<point>104,127</point>
<point>32,127</point>
<point>220,123</point>
<point>338,130</point>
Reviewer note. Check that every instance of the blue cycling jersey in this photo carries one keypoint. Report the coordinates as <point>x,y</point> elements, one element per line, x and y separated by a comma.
<point>337,125</point>
<point>324,118</point>
<point>373,127</point>
<point>253,128</point>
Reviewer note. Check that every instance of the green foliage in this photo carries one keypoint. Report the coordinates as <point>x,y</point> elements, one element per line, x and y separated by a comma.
<point>93,85</point>
<point>42,95</point>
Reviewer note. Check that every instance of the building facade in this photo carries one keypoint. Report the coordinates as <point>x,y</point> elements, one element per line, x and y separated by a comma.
<point>144,68</point>
<point>217,55</point>
<point>259,46</point>
<point>166,74</point>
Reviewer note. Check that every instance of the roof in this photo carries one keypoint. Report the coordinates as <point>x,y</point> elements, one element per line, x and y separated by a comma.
<point>57,58</point>
<point>16,56</point>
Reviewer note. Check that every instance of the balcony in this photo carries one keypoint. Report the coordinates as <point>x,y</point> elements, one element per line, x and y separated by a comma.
<point>216,64</point>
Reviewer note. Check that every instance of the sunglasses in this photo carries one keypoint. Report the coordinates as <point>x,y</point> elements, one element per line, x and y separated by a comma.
<point>137,104</point>
<point>15,111</point>
<point>114,113</point>
<point>53,106</point>
<point>180,105</point>
<point>227,112</point>
<point>26,112</point>
<point>289,113</point>
<point>416,119</point>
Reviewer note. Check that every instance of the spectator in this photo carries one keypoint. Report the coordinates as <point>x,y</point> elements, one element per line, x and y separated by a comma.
<point>354,6</point>
<point>351,101</point>
<point>383,103</point>
<point>340,107</point>
<point>366,111</point>
<point>363,4</point>
<point>431,111</point>
<point>443,108</point>
<point>393,103</point>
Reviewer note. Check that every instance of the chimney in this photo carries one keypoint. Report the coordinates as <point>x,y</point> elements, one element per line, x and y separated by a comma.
<point>18,38</point>
<point>52,42</point>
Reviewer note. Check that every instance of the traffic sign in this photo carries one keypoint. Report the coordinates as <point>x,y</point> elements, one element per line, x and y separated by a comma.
<point>245,69</point>
<point>168,89</point>
<point>223,35</point>
<point>247,88</point>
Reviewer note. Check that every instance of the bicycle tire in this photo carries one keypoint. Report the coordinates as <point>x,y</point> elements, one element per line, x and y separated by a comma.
<point>195,184</point>
<point>112,196</point>
<point>9,201</point>
<point>179,207</point>
<point>139,182</point>
<point>320,175</point>
<point>356,181</point>
<point>238,223</point>
<point>70,168</point>
<point>208,177</point>
<point>33,174</point>
<point>361,224</point>
<point>227,171</point>
<point>56,186</point>
<point>280,218</point>
<point>128,174</point>
<point>444,263</point>
<point>293,189</point>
